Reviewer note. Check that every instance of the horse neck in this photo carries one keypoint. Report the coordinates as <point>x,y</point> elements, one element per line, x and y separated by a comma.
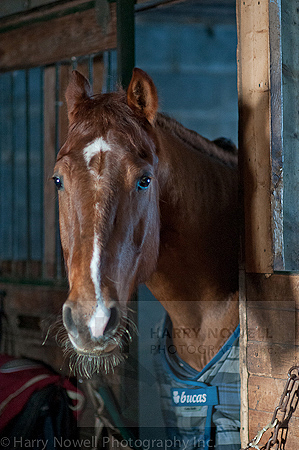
<point>199,234</point>
<point>198,205</point>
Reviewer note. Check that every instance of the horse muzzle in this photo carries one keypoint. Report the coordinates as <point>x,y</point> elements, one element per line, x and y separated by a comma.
<point>92,334</point>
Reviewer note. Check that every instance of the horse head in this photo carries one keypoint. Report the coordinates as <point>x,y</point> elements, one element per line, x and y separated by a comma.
<point>106,176</point>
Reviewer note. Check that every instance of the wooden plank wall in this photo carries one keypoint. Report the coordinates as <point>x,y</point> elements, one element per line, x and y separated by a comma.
<point>273,345</point>
<point>45,36</point>
<point>269,303</point>
<point>31,311</point>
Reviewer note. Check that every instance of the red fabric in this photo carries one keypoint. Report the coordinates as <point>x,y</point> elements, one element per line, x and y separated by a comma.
<point>13,380</point>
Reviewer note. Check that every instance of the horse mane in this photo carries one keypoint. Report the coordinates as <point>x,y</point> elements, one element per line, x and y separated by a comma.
<point>221,149</point>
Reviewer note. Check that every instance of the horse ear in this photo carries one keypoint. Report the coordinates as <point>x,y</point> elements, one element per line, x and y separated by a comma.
<point>78,90</point>
<point>142,95</point>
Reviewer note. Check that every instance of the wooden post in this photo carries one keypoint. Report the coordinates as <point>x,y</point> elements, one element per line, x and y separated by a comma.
<point>269,302</point>
<point>254,162</point>
<point>254,109</point>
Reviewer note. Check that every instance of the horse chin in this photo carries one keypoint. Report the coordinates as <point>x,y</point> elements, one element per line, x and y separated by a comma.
<point>86,360</point>
<point>85,363</point>
<point>94,357</point>
<point>100,350</point>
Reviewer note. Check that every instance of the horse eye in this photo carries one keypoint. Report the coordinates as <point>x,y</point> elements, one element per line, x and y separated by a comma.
<point>58,182</point>
<point>143,183</point>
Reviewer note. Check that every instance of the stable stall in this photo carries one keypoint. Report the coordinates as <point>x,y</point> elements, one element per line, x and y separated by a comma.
<point>223,69</point>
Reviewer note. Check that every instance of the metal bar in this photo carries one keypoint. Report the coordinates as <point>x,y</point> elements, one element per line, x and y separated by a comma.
<point>109,83</point>
<point>74,62</point>
<point>90,69</point>
<point>1,182</point>
<point>28,202</point>
<point>13,178</point>
<point>125,40</point>
<point>6,137</point>
<point>12,206</point>
<point>106,76</point>
<point>41,125</point>
<point>49,156</point>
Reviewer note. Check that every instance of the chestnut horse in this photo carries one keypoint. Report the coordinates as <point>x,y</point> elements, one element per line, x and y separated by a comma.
<point>143,200</point>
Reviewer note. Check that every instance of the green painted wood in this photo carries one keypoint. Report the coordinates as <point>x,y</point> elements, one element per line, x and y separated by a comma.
<point>125,40</point>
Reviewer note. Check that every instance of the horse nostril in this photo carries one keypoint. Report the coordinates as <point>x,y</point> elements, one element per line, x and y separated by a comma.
<point>113,320</point>
<point>69,321</point>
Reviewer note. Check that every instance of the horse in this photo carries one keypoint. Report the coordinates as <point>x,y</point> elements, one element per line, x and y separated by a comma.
<point>142,199</point>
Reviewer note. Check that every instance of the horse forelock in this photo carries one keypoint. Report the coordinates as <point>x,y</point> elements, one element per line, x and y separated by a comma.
<point>103,115</point>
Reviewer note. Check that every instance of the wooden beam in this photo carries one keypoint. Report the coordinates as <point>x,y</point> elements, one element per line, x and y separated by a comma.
<point>42,13</point>
<point>13,8</point>
<point>56,40</point>
<point>254,133</point>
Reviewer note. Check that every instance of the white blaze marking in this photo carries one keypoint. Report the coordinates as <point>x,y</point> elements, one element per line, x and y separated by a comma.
<point>100,318</point>
<point>94,266</point>
<point>97,146</point>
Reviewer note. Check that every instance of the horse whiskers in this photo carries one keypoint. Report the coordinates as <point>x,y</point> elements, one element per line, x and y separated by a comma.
<point>130,310</point>
<point>113,281</point>
<point>131,324</point>
<point>129,337</point>
<point>55,330</point>
<point>85,365</point>
<point>46,337</point>
<point>48,326</point>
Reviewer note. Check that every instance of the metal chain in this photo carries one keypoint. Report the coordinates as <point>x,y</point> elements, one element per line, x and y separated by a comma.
<point>281,416</point>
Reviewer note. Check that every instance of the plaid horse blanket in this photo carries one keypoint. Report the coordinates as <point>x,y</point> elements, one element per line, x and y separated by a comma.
<point>201,410</point>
